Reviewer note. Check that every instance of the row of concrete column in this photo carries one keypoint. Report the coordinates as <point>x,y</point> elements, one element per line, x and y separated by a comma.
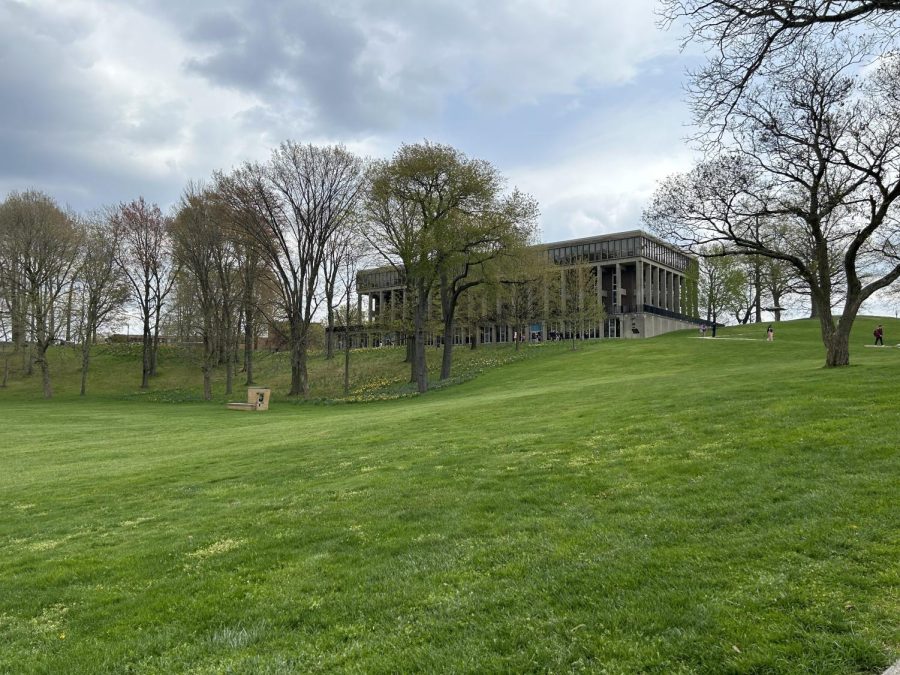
<point>660,287</point>
<point>655,285</point>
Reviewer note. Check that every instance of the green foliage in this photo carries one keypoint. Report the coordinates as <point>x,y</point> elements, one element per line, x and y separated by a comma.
<point>672,505</point>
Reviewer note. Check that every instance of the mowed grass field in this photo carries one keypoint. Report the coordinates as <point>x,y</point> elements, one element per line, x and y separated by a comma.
<point>673,505</point>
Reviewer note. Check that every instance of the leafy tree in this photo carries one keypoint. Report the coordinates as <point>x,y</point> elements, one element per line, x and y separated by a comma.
<point>437,216</point>
<point>503,229</point>
<point>723,282</point>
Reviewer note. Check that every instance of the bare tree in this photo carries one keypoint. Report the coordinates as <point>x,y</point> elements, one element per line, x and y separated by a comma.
<point>205,255</point>
<point>748,39</point>
<point>524,286</point>
<point>299,200</point>
<point>104,289</point>
<point>45,242</point>
<point>144,256</point>
<point>574,301</point>
<point>811,177</point>
<point>338,254</point>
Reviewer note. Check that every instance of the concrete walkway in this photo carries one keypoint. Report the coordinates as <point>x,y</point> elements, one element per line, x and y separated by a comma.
<point>893,670</point>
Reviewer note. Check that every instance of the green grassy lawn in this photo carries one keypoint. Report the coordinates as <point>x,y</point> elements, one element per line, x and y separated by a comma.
<point>672,505</point>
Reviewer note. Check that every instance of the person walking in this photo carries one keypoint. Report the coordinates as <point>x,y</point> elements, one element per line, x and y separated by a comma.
<point>879,335</point>
<point>770,334</point>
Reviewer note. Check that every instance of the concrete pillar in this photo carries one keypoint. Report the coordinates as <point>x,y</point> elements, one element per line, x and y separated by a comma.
<point>664,287</point>
<point>678,283</point>
<point>639,282</point>
<point>639,285</point>
<point>648,286</point>
<point>600,289</point>
<point>672,291</point>
<point>619,290</point>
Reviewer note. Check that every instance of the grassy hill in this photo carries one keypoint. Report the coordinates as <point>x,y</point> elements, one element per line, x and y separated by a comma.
<point>673,505</point>
<point>115,372</point>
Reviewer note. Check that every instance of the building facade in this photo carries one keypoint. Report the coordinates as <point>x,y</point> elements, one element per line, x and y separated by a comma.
<point>645,286</point>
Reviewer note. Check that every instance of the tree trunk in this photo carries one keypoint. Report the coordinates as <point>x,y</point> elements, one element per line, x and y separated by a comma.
<point>329,331</point>
<point>41,358</point>
<point>207,382</point>
<point>229,360</point>
<point>248,346</point>
<point>347,363</point>
<point>447,356</point>
<point>757,287</point>
<point>476,337</point>
<point>776,303</point>
<point>299,375</point>
<point>837,337</point>
<point>420,367</point>
<point>147,348</point>
<point>85,362</point>
<point>5,373</point>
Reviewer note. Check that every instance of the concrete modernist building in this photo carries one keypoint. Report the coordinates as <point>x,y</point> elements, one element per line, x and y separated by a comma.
<point>646,287</point>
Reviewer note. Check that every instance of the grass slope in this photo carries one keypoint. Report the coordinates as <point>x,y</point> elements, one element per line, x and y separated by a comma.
<point>673,505</point>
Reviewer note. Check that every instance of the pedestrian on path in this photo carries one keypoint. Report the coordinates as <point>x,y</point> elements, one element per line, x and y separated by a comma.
<point>879,335</point>
<point>770,334</point>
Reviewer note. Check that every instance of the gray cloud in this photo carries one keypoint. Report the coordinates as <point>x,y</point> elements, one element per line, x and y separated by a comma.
<point>103,100</point>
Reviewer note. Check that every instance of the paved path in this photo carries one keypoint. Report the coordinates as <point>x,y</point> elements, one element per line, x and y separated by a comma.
<point>893,670</point>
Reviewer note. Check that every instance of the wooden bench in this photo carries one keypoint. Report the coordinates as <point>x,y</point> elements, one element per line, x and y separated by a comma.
<point>257,399</point>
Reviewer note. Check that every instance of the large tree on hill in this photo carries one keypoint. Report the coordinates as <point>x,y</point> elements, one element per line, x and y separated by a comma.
<point>104,289</point>
<point>437,215</point>
<point>809,175</point>
<point>503,229</point>
<point>45,244</point>
<point>295,204</point>
<point>208,259</point>
<point>145,258</point>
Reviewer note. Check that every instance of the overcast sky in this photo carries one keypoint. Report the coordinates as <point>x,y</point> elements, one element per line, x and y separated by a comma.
<point>579,103</point>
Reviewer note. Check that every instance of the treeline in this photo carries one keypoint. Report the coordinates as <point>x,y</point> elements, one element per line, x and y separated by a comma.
<point>270,246</point>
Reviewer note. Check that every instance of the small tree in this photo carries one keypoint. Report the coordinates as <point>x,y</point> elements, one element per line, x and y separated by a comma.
<point>574,299</point>
<point>723,283</point>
